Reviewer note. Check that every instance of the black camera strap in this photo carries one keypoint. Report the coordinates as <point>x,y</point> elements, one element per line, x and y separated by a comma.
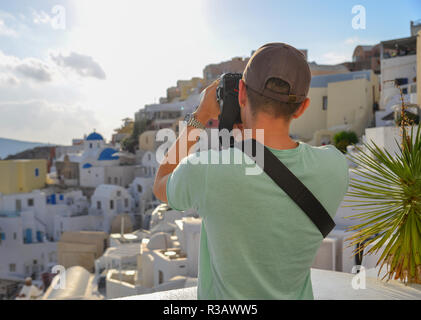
<point>291,185</point>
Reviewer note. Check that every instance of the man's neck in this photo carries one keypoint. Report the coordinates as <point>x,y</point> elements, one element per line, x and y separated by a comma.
<point>276,133</point>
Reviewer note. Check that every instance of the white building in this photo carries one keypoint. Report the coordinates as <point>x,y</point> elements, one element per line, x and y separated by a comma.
<point>141,191</point>
<point>149,164</point>
<point>24,249</point>
<point>107,202</point>
<point>398,63</point>
<point>188,234</point>
<point>164,261</point>
<point>97,163</point>
<point>30,225</point>
<point>163,115</point>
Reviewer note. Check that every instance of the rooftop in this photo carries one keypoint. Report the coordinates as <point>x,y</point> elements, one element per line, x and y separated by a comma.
<point>323,80</point>
<point>94,136</point>
<point>108,154</point>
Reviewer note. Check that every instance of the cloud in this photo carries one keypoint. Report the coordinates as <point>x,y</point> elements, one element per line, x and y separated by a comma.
<point>45,71</point>
<point>44,121</point>
<point>8,79</point>
<point>39,102</point>
<point>83,65</point>
<point>352,41</point>
<point>40,17</point>
<point>6,31</point>
<point>34,69</point>
<point>29,68</point>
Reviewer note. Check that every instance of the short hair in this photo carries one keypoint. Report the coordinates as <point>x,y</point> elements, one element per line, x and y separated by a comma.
<point>277,109</point>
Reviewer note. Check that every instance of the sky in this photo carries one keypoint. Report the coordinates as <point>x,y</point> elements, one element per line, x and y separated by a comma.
<point>68,67</point>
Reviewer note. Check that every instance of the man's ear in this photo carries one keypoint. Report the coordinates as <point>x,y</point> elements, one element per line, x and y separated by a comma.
<point>302,108</point>
<point>242,93</point>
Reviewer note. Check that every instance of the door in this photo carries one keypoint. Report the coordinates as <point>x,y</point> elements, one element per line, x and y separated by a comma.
<point>18,205</point>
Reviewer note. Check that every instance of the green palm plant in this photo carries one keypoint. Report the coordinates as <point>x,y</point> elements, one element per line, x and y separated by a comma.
<point>390,198</point>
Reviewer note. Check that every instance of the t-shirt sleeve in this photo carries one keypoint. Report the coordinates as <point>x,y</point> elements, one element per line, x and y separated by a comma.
<point>187,183</point>
<point>343,168</point>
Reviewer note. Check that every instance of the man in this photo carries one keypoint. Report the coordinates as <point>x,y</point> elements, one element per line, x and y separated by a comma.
<point>29,291</point>
<point>256,243</point>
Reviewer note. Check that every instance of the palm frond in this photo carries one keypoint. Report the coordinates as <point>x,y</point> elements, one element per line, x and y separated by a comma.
<point>387,193</point>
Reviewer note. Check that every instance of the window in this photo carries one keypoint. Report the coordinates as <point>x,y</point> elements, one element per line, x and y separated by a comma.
<point>98,205</point>
<point>126,203</point>
<point>160,277</point>
<point>139,188</point>
<point>401,81</point>
<point>324,103</point>
<point>35,261</point>
<point>36,172</point>
<point>149,157</point>
<point>90,145</point>
<point>18,205</point>
<point>111,204</point>
<point>2,236</point>
<point>413,88</point>
<point>110,180</point>
<point>115,180</point>
<point>30,202</point>
<point>12,267</point>
<point>15,236</point>
<point>118,193</point>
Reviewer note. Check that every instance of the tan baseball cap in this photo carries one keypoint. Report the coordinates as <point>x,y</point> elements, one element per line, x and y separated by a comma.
<point>282,61</point>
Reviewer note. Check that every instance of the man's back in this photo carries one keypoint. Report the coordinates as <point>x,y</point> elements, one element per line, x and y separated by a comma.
<point>256,243</point>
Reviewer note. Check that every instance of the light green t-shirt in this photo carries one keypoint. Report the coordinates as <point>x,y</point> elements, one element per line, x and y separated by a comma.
<point>256,243</point>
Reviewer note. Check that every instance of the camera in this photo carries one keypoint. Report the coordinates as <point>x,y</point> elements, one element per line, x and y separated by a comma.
<point>227,96</point>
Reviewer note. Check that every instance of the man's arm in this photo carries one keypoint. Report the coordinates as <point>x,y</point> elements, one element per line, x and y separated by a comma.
<point>208,109</point>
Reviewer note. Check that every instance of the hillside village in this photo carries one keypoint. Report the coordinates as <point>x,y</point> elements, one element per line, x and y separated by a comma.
<point>89,206</point>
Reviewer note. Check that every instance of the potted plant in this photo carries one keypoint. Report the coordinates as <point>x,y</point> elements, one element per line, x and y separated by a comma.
<point>390,200</point>
<point>343,139</point>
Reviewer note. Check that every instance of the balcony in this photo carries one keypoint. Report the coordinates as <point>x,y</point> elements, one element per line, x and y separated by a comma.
<point>398,47</point>
<point>9,214</point>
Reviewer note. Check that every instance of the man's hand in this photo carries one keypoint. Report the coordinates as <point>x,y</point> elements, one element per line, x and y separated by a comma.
<point>209,107</point>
